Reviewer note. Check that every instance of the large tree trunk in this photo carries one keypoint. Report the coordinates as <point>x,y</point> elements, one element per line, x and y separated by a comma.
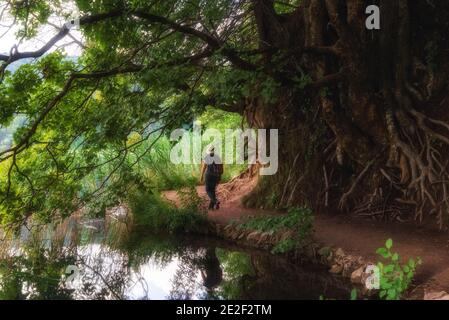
<point>369,135</point>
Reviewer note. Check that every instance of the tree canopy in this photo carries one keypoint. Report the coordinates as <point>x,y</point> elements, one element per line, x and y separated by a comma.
<point>146,67</point>
<point>356,107</point>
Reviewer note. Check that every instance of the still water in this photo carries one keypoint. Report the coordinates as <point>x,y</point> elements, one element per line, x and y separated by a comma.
<point>92,259</point>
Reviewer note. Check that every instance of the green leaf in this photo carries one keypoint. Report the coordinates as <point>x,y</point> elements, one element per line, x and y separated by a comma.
<point>383,252</point>
<point>389,244</point>
<point>354,294</point>
<point>395,257</point>
<point>392,294</point>
<point>389,268</point>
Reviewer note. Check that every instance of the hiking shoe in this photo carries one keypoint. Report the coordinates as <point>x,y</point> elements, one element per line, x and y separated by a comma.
<point>217,205</point>
<point>211,205</point>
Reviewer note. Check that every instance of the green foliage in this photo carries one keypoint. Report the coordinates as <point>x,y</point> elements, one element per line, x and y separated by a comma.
<point>354,294</point>
<point>31,14</point>
<point>142,246</point>
<point>273,199</point>
<point>298,220</point>
<point>395,278</point>
<point>285,245</point>
<point>38,271</point>
<point>160,172</point>
<point>301,218</point>
<point>268,90</point>
<point>99,137</point>
<point>156,214</point>
<point>284,7</point>
<point>236,266</point>
<point>302,81</point>
<point>6,133</point>
<point>189,199</point>
<point>221,120</point>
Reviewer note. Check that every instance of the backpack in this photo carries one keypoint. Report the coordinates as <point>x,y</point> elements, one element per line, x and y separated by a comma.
<point>219,168</point>
<point>216,168</point>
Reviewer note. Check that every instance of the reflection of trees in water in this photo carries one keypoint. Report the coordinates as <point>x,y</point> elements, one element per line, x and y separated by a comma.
<point>261,276</point>
<point>211,271</point>
<point>39,273</point>
<point>104,273</point>
<point>185,284</point>
<point>33,265</point>
<point>257,275</point>
<point>237,270</point>
<point>35,274</point>
<point>37,269</point>
<point>113,269</point>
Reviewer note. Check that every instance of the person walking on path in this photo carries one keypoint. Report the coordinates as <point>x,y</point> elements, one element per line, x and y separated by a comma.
<point>211,171</point>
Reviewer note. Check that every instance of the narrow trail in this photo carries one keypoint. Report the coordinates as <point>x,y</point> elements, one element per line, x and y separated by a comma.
<point>355,236</point>
<point>231,208</point>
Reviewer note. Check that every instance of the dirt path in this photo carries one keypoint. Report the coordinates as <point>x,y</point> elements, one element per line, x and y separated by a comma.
<point>360,237</point>
<point>230,209</point>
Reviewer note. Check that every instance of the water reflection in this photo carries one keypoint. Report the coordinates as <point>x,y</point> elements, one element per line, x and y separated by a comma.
<point>210,269</point>
<point>93,259</point>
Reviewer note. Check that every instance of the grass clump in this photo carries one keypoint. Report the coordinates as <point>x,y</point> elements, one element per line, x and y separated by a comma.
<point>298,220</point>
<point>151,211</point>
<point>157,168</point>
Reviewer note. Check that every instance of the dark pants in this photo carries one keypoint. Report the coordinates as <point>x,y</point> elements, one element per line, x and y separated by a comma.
<point>211,185</point>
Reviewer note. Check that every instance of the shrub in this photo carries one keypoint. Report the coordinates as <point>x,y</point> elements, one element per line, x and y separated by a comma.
<point>394,277</point>
<point>298,220</point>
<point>153,212</point>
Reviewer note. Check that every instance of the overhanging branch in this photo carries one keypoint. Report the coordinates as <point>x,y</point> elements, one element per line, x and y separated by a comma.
<point>214,43</point>
<point>16,55</point>
<point>13,151</point>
